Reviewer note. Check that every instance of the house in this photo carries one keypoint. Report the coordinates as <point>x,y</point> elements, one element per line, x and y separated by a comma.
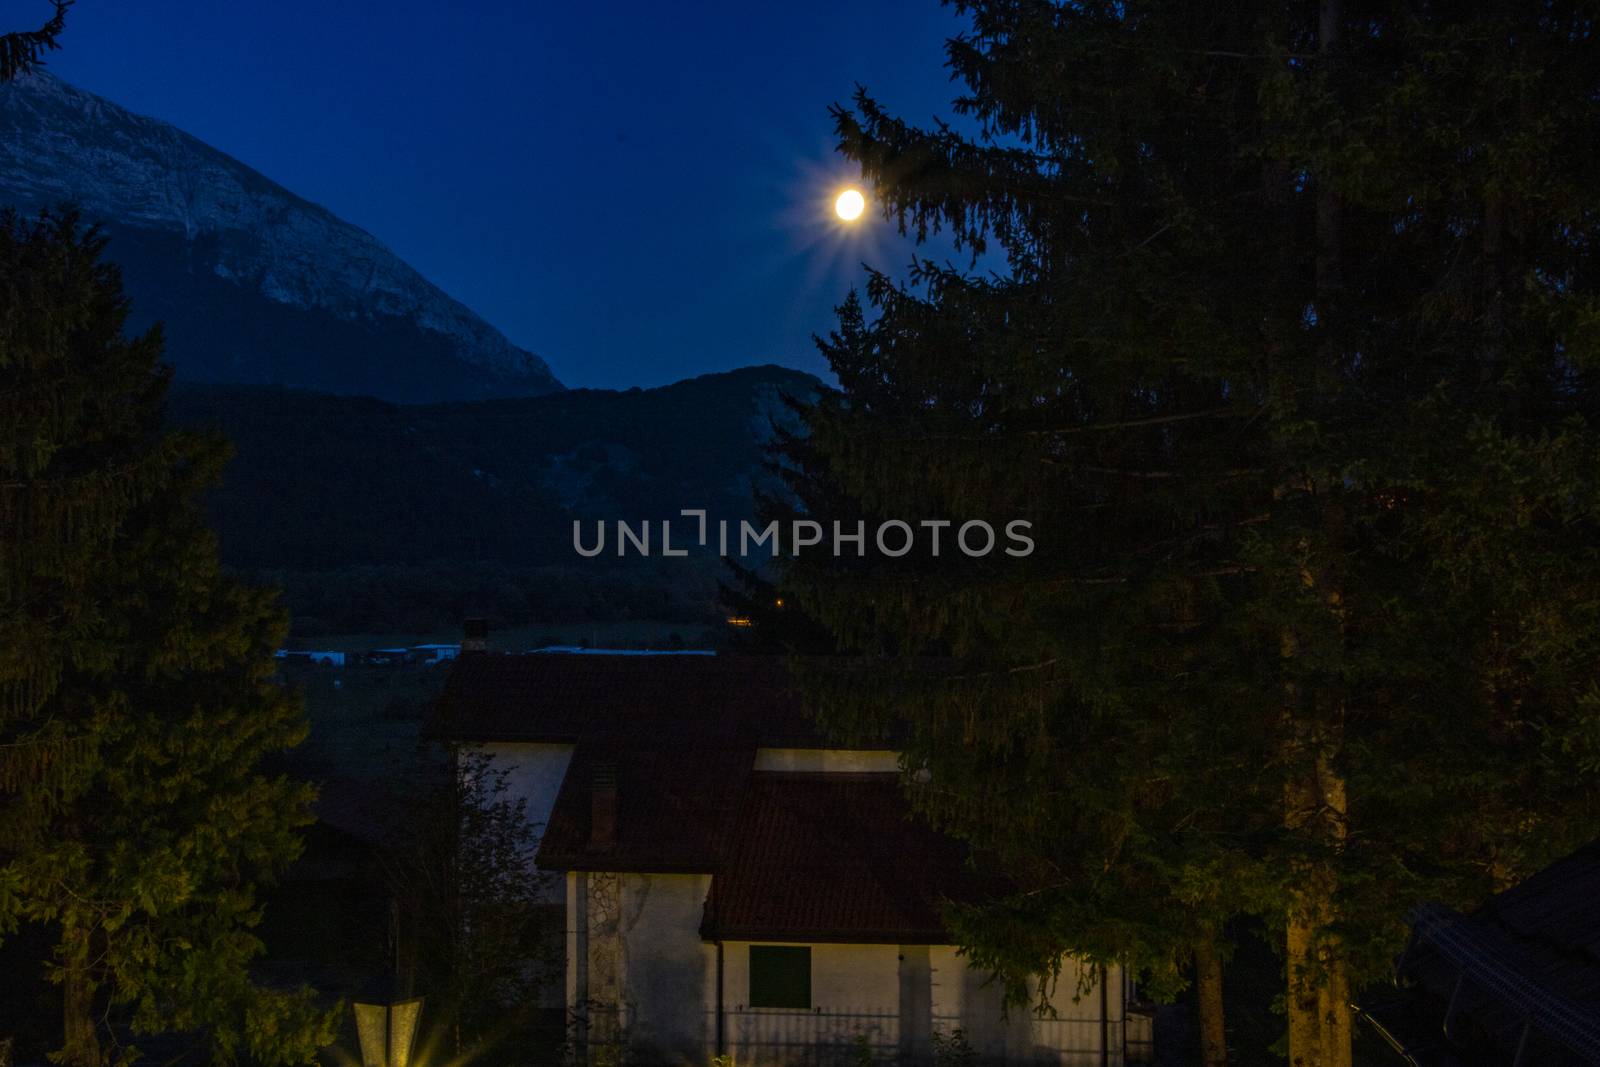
<point>1516,982</point>
<point>732,884</point>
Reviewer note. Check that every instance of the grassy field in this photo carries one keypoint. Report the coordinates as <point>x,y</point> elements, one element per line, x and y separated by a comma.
<point>366,721</point>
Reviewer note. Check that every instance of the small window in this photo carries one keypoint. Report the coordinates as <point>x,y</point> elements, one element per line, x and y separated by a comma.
<point>780,977</point>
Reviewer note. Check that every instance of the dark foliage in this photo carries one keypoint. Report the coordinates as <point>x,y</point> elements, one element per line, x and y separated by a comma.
<point>24,50</point>
<point>137,699</point>
<point>1291,363</point>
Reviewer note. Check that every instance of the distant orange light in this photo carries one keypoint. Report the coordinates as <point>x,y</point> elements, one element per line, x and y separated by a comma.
<point>738,620</point>
<point>778,603</point>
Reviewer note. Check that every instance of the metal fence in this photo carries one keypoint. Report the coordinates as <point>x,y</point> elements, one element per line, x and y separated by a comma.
<point>809,1039</point>
<point>756,1037</point>
<point>831,1038</point>
<point>1029,1040</point>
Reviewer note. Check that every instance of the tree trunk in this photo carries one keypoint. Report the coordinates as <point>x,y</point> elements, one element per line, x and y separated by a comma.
<point>1318,1001</point>
<point>81,1044</point>
<point>1315,803</point>
<point>1208,1005</point>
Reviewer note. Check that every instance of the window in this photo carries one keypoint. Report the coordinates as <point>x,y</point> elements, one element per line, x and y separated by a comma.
<point>780,976</point>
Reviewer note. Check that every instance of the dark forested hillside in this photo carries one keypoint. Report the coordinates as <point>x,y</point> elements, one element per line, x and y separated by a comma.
<point>378,515</point>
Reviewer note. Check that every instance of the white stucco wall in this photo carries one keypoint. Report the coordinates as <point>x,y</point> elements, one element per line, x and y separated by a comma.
<point>636,961</point>
<point>534,773</point>
<point>897,995</point>
<point>964,997</point>
<point>826,759</point>
<point>855,990</point>
<point>844,978</point>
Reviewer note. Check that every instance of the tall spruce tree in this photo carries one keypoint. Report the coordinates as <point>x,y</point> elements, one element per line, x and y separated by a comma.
<point>1103,816</point>
<point>1292,367</point>
<point>137,697</point>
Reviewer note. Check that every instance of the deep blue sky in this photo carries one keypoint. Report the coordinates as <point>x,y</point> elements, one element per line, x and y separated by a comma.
<point>638,192</point>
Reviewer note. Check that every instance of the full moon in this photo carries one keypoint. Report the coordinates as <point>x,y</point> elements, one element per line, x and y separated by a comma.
<point>850,205</point>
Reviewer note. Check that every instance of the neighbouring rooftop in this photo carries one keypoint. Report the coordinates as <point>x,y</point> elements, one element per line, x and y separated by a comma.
<point>833,857</point>
<point>662,779</point>
<point>1520,973</point>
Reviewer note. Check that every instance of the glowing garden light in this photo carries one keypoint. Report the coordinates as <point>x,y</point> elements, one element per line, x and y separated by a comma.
<point>387,1029</point>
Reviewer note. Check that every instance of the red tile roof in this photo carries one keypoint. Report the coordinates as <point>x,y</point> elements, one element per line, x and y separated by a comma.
<point>676,805</point>
<point>833,857</point>
<point>794,856</point>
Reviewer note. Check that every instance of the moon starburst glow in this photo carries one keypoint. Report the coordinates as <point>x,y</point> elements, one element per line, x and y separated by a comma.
<point>850,205</point>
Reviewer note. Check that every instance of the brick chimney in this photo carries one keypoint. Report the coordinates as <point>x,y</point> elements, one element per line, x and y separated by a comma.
<point>603,808</point>
<point>475,635</point>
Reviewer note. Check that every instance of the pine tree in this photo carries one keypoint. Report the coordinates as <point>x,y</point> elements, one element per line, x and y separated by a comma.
<point>137,698</point>
<point>1291,365</point>
<point>1114,858</point>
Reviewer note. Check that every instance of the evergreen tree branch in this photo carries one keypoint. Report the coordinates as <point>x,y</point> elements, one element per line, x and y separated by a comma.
<point>24,50</point>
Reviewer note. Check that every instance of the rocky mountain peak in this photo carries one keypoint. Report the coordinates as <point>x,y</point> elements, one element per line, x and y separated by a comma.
<point>255,284</point>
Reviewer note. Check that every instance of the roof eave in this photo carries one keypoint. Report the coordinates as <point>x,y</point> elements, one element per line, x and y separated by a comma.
<point>601,865</point>
<point>827,936</point>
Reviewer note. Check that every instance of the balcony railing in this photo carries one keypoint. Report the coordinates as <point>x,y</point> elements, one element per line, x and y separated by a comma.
<point>761,1037</point>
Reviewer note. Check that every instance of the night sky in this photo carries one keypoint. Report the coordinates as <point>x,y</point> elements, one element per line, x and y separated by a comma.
<point>638,192</point>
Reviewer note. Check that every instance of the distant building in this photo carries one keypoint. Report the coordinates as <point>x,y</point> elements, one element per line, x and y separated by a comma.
<point>734,885</point>
<point>475,635</point>
<point>579,650</point>
<point>434,653</point>
<point>330,659</point>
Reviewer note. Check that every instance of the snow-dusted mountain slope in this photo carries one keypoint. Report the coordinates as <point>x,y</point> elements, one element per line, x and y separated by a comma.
<point>254,284</point>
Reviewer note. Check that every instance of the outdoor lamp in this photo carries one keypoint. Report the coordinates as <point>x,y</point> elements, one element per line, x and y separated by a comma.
<point>387,1028</point>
